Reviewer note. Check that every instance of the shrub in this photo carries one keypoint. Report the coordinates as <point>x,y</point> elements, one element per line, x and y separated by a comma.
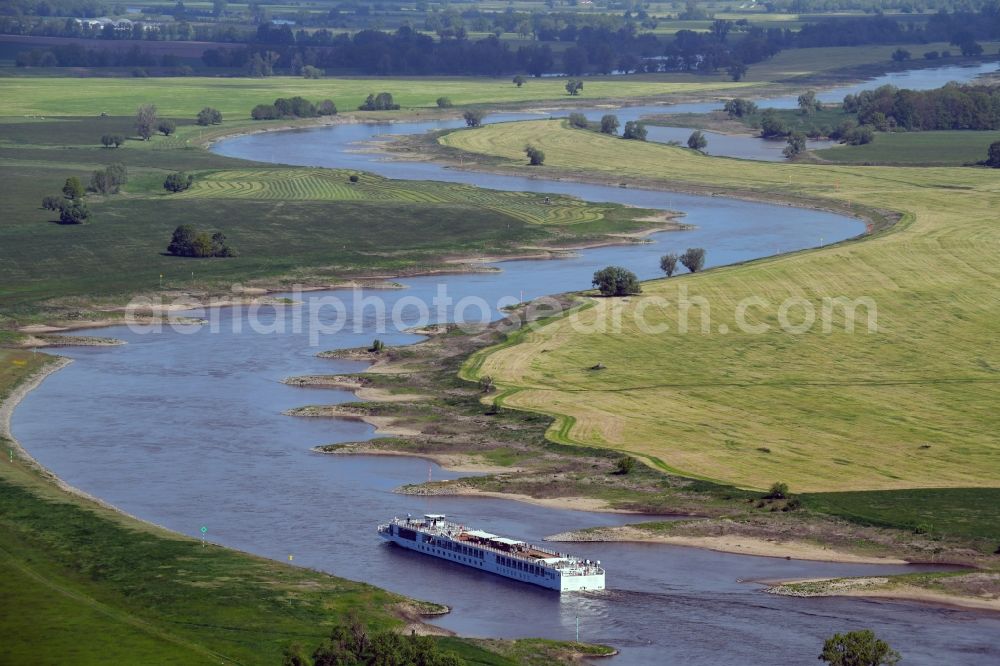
<point>609,124</point>
<point>380,102</point>
<point>693,259</point>
<point>901,55</point>
<point>52,202</point>
<point>354,178</point>
<point>779,490</point>
<point>73,211</point>
<point>574,86</point>
<point>578,120</point>
<point>486,384</point>
<point>444,103</point>
<point>993,155</point>
<point>327,108</point>
<point>739,108</point>
<point>474,117</point>
<point>772,127</point>
<point>535,156</point>
<point>178,182</point>
<point>858,648</point>
<point>697,141</point>
<point>624,465</point>
<point>167,127</point>
<point>377,346</point>
<point>189,242</point>
<point>209,116</point>
<point>519,80</point>
<point>796,145</point>
<point>311,72</point>
<point>634,130</point>
<point>616,281</point>
<point>264,112</point>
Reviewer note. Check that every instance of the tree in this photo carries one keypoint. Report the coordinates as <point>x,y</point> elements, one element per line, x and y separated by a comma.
<point>634,130</point>
<point>474,118</point>
<point>444,103</point>
<point>52,202</point>
<point>668,263</point>
<point>771,126</point>
<point>616,281</point>
<point>796,145</point>
<point>739,108</point>
<point>178,182</point>
<point>145,121</point>
<point>109,180</point>
<point>574,86</point>
<point>900,55</point>
<point>327,108</point>
<point>736,71</point>
<point>578,120</point>
<point>808,103</point>
<point>519,80</point>
<point>535,156</point>
<point>72,188</point>
<point>167,127</point>
<point>73,211</point>
<point>189,242</point>
<point>858,648</point>
<point>697,141</point>
<point>993,155</point>
<point>108,141</point>
<point>778,490</point>
<point>209,116</point>
<point>311,72</point>
<point>693,259</point>
<point>609,124</point>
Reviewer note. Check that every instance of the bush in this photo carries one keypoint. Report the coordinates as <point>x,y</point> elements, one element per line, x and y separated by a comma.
<point>901,55</point>
<point>693,259</point>
<point>574,86</point>
<point>779,490</point>
<point>380,102</point>
<point>264,112</point>
<point>634,130</point>
<point>73,212</point>
<point>796,145</point>
<point>178,182</point>
<point>167,127</point>
<point>578,120</point>
<point>697,141</point>
<point>109,180</point>
<point>52,202</point>
<point>327,108</point>
<point>189,242</point>
<point>616,281</point>
<point>353,178</point>
<point>112,140</point>
<point>609,124</point>
<point>739,108</point>
<point>858,648</point>
<point>624,465</point>
<point>486,384</point>
<point>535,156</point>
<point>859,136</point>
<point>519,80</point>
<point>311,72</point>
<point>773,127</point>
<point>377,346</point>
<point>209,116</point>
<point>993,155</point>
<point>444,103</point>
<point>474,117</point>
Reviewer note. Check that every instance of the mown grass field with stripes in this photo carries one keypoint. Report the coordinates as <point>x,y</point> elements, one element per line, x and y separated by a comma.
<point>911,405</point>
<point>289,224</point>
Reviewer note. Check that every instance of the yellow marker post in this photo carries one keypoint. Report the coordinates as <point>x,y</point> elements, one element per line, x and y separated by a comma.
<point>289,558</point>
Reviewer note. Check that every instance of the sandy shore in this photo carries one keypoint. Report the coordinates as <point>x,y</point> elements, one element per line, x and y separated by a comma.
<point>450,461</point>
<point>881,587</point>
<point>567,503</point>
<point>384,425</point>
<point>738,544</point>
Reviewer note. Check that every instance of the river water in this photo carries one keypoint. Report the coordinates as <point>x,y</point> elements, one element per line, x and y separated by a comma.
<point>184,429</point>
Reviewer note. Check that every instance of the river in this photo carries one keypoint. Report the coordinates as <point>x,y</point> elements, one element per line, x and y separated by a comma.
<point>185,429</point>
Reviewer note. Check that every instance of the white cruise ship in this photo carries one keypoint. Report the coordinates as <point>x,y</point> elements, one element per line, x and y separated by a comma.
<point>433,535</point>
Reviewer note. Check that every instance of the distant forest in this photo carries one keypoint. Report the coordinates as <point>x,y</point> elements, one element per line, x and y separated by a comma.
<point>588,43</point>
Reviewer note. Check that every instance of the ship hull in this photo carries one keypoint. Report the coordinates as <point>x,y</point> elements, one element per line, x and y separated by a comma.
<point>494,563</point>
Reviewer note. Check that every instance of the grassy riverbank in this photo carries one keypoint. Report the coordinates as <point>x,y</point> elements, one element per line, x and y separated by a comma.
<point>809,408</point>
<point>288,224</point>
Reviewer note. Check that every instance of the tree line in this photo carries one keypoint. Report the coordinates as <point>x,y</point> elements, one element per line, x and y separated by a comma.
<point>953,107</point>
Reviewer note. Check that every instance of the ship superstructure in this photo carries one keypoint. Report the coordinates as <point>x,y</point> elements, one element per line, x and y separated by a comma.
<point>434,535</point>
